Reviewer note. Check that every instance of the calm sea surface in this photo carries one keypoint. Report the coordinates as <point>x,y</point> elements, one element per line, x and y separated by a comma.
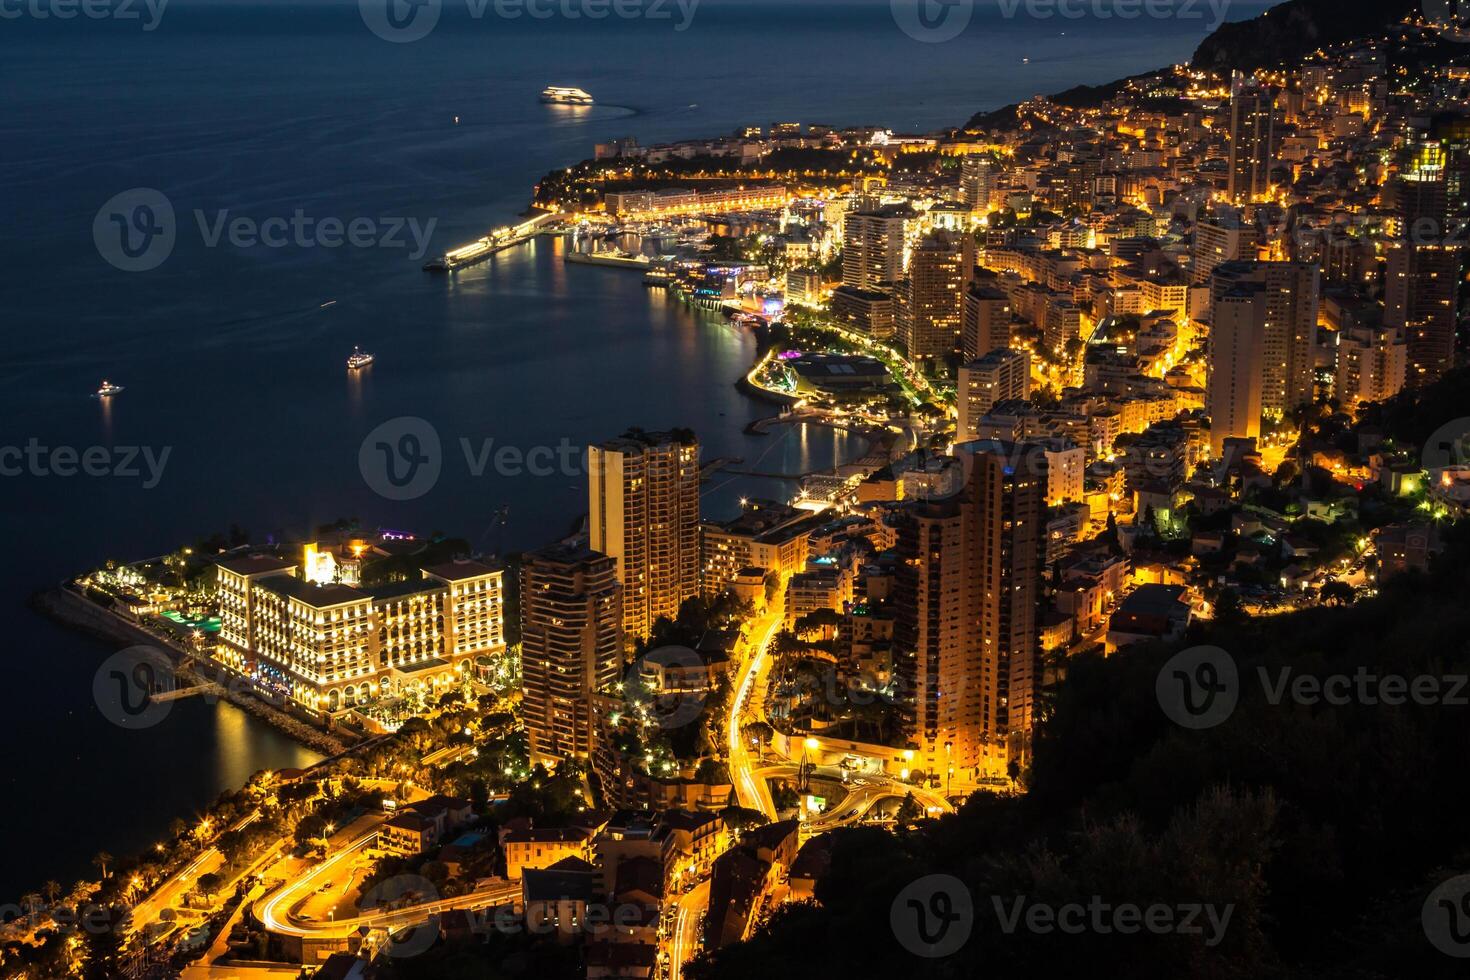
<point>233,356</point>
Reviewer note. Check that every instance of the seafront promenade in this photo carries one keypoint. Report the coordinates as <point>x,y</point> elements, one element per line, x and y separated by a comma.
<point>66,606</point>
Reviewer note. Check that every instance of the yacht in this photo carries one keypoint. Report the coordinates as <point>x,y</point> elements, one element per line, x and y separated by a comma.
<point>108,389</point>
<point>359,359</point>
<point>565,96</point>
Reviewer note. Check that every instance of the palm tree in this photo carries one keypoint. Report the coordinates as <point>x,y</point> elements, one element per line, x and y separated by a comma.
<point>52,890</point>
<point>102,860</point>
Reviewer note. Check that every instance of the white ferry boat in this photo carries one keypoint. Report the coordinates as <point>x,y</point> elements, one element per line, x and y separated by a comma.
<point>107,390</point>
<point>359,359</point>
<point>565,96</point>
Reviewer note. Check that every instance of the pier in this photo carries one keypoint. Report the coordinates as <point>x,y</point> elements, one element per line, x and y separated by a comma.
<point>206,689</point>
<point>497,240</point>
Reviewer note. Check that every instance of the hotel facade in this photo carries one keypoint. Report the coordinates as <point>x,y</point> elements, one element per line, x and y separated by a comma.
<point>329,647</point>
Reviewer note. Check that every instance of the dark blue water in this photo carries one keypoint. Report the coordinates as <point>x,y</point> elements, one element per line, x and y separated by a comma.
<point>233,357</point>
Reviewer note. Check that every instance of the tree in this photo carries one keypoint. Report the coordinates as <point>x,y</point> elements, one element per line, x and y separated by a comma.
<point>1338,593</point>
<point>910,810</point>
<point>52,890</point>
<point>1114,542</point>
<point>711,772</point>
<point>101,860</point>
<point>103,944</point>
<point>738,818</point>
<point>1228,607</point>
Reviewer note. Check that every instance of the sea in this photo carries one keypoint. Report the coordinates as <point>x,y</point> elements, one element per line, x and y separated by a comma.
<point>282,170</point>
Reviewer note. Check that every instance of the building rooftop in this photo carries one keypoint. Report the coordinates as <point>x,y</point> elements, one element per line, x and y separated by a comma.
<point>460,570</point>
<point>397,590</point>
<point>312,594</point>
<point>256,564</point>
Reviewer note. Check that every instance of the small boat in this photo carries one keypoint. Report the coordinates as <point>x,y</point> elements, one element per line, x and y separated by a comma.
<point>561,95</point>
<point>359,359</point>
<point>107,390</point>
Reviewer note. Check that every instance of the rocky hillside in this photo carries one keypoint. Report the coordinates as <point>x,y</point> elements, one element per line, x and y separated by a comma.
<point>1296,28</point>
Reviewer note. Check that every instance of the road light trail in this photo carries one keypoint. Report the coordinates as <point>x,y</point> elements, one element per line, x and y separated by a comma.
<point>685,941</point>
<point>273,915</point>
<point>751,793</point>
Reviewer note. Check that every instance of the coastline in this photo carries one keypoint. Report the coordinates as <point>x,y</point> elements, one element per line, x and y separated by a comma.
<point>64,606</point>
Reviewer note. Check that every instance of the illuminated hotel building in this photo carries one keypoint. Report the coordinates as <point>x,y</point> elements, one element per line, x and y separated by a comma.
<point>873,247</point>
<point>329,646</point>
<point>1223,238</point>
<point>1284,311</point>
<point>929,301</point>
<point>643,504</point>
<point>1422,274</point>
<point>769,536</point>
<point>1372,363</point>
<point>966,598</point>
<point>1003,374</point>
<point>985,320</point>
<point>1251,138</point>
<point>571,646</point>
<point>976,181</point>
